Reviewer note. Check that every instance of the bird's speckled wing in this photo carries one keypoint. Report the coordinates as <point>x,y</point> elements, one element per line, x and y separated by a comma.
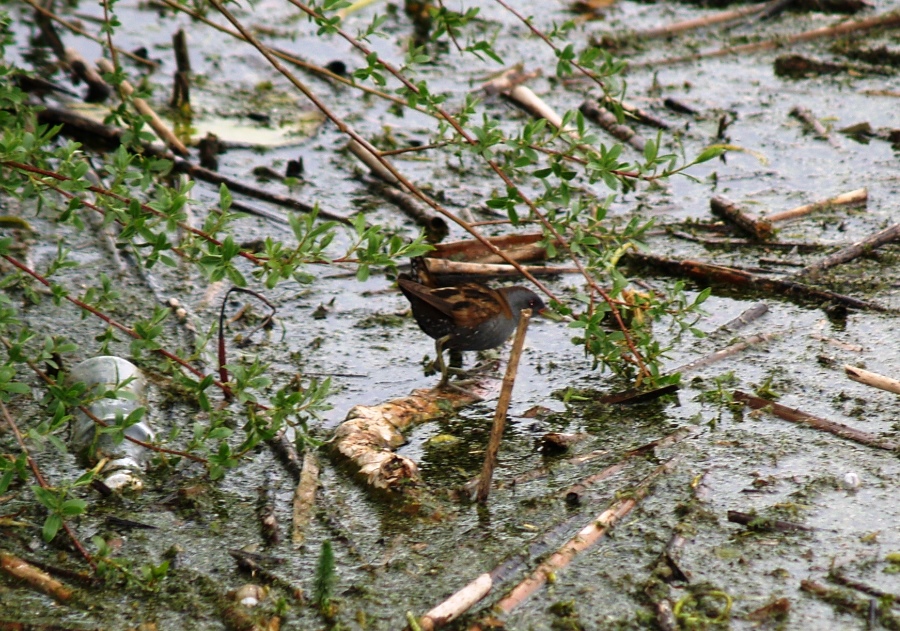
<point>471,304</point>
<point>467,305</point>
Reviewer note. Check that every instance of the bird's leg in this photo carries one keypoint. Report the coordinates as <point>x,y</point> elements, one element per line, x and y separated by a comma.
<point>439,360</point>
<point>456,359</point>
<point>446,370</point>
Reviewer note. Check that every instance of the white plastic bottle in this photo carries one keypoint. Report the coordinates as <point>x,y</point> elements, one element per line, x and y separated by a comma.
<point>103,374</point>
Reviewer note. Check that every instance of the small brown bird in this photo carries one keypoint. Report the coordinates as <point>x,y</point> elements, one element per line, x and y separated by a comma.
<point>469,316</point>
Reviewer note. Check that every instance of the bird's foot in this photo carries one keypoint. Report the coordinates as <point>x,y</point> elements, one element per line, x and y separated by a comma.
<point>458,386</point>
<point>482,368</point>
<point>434,367</point>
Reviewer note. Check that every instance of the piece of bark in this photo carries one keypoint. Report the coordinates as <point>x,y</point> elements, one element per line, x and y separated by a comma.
<point>858,196</point>
<point>728,351</point>
<point>181,84</point>
<point>607,120</point>
<point>209,147</point>
<point>665,616</point>
<point>369,435</point>
<point>760,229</point>
<point>796,66</point>
<point>749,315</point>
<point>680,106</point>
<point>802,418</point>
<point>268,522</point>
<point>872,379</point>
<point>851,252</point>
<point>304,502</point>
<point>286,452</point>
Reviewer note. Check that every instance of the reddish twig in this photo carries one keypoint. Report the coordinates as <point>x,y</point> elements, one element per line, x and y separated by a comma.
<point>468,137</point>
<point>223,371</point>
<point>47,379</point>
<point>43,483</point>
<point>116,324</point>
<point>125,200</point>
<point>538,33</point>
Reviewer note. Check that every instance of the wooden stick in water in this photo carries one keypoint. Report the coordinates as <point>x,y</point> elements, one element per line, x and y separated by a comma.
<point>858,196</point>
<point>872,379</point>
<point>509,380</point>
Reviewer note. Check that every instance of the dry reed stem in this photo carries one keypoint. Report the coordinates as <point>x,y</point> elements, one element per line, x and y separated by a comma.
<point>24,571</point>
<point>872,379</point>
<point>815,422</point>
<point>851,252</point>
<point>697,23</point>
<point>585,539</point>
<point>509,380</point>
<point>444,266</point>
<point>728,351</point>
<point>860,195</point>
<point>856,26</point>
<point>143,108</point>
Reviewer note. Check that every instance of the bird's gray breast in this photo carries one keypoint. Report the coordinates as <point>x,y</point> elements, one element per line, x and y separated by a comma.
<point>489,334</point>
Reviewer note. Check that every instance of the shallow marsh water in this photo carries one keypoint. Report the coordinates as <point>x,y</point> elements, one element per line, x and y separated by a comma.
<point>396,562</point>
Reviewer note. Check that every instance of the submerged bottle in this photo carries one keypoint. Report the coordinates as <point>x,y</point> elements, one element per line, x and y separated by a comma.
<point>109,374</point>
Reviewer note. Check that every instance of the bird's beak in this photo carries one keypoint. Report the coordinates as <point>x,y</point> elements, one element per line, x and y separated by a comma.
<point>550,314</point>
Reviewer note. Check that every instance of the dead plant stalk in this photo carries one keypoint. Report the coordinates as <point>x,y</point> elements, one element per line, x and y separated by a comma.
<point>509,380</point>
<point>585,539</point>
<point>43,483</point>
